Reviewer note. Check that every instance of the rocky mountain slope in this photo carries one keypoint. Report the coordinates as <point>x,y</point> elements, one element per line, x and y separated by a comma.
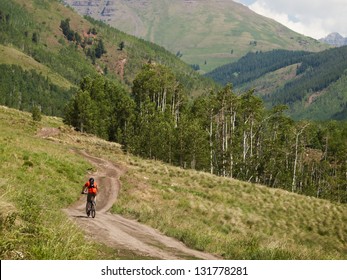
<point>335,39</point>
<point>205,34</point>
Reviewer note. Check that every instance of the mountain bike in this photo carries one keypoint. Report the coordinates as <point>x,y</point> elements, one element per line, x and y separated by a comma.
<point>91,207</point>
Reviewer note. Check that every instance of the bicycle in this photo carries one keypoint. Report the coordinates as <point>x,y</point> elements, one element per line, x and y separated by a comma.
<point>91,207</point>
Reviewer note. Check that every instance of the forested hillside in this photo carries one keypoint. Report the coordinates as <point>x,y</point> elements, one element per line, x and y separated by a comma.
<point>64,44</point>
<point>254,65</point>
<point>23,89</point>
<point>220,132</point>
<point>313,88</point>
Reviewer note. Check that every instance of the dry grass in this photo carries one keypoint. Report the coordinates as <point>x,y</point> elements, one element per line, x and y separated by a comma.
<point>231,218</point>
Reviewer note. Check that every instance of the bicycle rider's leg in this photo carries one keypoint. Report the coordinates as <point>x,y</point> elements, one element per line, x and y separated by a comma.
<point>89,199</point>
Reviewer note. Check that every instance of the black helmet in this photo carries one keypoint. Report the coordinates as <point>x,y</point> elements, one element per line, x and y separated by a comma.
<point>91,180</point>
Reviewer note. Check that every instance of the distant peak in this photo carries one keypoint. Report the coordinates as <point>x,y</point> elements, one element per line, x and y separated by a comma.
<point>335,34</point>
<point>335,39</point>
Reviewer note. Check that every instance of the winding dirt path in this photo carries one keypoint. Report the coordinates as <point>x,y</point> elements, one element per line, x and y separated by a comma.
<point>119,232</point>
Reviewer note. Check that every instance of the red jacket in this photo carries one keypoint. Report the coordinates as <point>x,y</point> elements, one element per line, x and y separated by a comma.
<point>92,190</point>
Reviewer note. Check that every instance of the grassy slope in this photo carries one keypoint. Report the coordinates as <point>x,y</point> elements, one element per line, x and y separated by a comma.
<point>55,52</point>
<point>38,179</point>
<point>223,216</point>
<point>234,219</point>
<point>9,55</point>
<point>203,30</point>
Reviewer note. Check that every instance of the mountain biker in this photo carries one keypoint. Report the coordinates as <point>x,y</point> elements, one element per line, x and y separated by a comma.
<point>92,188</point>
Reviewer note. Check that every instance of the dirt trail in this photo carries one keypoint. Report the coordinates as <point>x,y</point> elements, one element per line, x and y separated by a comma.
<point>119,232</point>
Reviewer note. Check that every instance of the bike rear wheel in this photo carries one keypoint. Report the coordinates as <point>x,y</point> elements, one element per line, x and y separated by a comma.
<point>92,210</point>
<point>88,208</point>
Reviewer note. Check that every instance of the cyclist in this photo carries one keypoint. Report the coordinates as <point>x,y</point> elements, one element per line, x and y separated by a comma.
<point>92,188</point>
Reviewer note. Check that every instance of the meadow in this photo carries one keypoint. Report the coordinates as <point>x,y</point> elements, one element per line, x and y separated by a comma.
<point>230,218</point>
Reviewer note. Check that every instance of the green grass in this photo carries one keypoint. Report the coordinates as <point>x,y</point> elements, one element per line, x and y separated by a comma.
<point>38,179</point>
<point>230,218</point>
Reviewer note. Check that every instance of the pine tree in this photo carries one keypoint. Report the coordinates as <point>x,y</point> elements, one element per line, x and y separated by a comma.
<point>36,114</point>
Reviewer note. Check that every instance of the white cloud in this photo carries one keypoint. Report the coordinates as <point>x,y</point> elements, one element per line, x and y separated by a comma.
<point>315,18</point>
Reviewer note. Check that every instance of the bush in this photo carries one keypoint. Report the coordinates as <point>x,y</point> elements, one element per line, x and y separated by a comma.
<point>36,114</point>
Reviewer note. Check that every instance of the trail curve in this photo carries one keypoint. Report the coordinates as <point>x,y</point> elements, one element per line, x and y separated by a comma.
<point>118,232</point>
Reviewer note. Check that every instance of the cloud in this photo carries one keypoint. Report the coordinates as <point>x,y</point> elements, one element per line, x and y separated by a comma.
<point>315,18</point>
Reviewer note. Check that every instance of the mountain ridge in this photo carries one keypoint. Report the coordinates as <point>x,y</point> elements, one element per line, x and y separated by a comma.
<point>335,39</point>
<point>305,82</point>
<point>204,33</point>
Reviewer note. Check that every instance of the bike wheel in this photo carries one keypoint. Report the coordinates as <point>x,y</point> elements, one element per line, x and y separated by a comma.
<point>88,210</point>
<point>92,211</point>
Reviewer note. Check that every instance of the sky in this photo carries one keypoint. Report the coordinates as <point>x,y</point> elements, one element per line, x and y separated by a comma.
<point>313,18</point>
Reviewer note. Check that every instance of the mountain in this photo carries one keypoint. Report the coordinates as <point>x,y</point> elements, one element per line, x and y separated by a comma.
<point>334,39</point>
<point>46,48</point>
<point>312,85</point>
<point>206,34</point>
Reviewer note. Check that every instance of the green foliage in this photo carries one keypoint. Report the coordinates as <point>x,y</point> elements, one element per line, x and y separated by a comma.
<point>316,90</point>
<point>121,45</point>
<point>36,114</point>
<point>21,88</point>
<point>101,107</point>
<point>92,31</point>
<point>65,27</point>
<point>100,49</point>
<point>196,67</point>
<point>317,72</point>
<point>226,134</point>
<point>35,38</point>
<point>219,215</point>
<point>67,61</point>
<point>94,52</point>
<point>254,65</point>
